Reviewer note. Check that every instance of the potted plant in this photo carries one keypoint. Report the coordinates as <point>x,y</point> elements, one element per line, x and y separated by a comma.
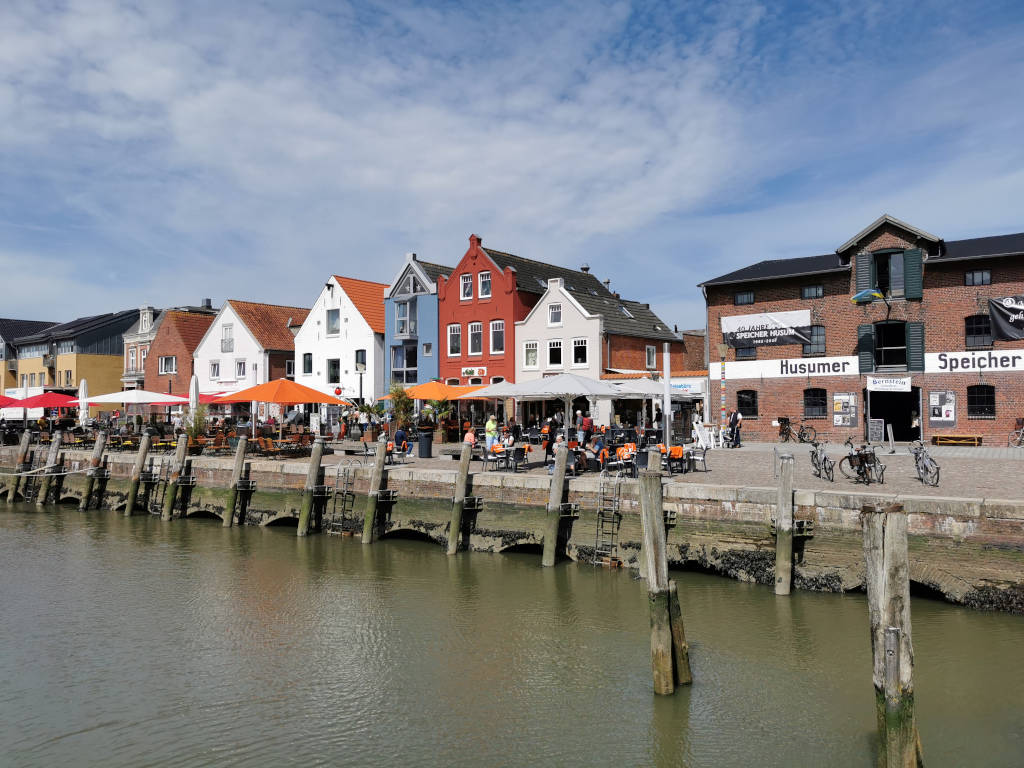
<point>371,414</point>
<point>441,414</point>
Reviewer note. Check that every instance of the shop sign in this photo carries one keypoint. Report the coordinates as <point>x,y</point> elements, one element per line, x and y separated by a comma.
<point>876,430</point>
<point>474,371</point>
<point>942,408</point>
<point>989,360</point>
<point>888,383</point>
<point>766,328</point>
<point>788,368</point>
<point>689,388</point>
<point>1007,317</point>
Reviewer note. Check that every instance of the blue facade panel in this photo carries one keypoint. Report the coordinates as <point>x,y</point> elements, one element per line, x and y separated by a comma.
<point>426,334</point>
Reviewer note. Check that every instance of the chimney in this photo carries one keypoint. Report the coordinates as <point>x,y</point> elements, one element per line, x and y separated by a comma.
<point>608,283</point>
<point>207,303</point>
<point>675,328</point>
<point>585,269</point>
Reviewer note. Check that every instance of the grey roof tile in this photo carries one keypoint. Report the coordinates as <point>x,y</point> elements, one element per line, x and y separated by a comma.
<point>532,276</point>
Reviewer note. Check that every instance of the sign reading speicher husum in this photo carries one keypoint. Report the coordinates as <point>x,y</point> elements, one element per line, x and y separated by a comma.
<point>766,328</point>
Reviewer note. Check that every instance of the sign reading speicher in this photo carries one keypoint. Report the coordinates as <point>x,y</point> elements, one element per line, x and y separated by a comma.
<point>765,328</point>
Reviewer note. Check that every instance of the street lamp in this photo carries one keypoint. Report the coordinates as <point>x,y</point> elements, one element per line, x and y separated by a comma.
<point>722,349</point>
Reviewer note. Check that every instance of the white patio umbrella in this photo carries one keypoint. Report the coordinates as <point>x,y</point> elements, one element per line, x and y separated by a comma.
<point>564,386</point>
<point>138,397</point>
<point>83,402</point>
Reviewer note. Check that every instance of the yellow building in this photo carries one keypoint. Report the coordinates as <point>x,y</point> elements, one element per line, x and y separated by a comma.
<point>10,330</point>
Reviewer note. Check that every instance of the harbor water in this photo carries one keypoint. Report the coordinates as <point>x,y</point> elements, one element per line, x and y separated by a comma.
<point>127,641</point>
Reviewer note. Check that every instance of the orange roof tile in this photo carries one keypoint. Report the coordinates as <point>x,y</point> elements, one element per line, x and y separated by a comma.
<point>190,326</point>
<point>269,322</point>
<point>368,298</point>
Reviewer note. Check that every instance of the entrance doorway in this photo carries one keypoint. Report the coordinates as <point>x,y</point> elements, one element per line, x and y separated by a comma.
<point>900,409</point>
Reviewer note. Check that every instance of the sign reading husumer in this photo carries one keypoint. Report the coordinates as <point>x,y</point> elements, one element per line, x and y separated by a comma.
<point>766,328</point>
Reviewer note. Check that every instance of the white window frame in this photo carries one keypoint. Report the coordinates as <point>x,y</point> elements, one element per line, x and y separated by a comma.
<point>239,369</point>
<point>555,344</point>
<point>536,355</point>
<point>476,381</point>
<point>586,347</point>
<point>457,329</point>
<point>143,354</point>
<point>327,323</point>
<point>327,370</point>
<point>552,308</point>
<point>465,281</point>
<point>651,357</point>
<point>306,355</point>
<point>164,368</point>
<point>494,324</point>
<point>131,358</point>
<point>469,333</point>
<point>227,331</point>
<point>289,368</point>
<point>399,319</point>
<point>214,370</point>
<point>428,349</point>
<point>480,284</point>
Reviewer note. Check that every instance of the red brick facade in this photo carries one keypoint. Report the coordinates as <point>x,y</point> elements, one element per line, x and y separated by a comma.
<point>630,353</point>
<point>946,302</point>
<point>178,336</point>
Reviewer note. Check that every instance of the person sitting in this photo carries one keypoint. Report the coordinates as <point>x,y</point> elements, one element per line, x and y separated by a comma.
<point>401,440</point>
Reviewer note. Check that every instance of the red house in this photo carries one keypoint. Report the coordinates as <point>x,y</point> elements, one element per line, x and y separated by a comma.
<point>478,306</point>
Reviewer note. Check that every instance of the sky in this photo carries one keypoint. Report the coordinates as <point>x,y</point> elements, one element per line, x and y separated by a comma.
<point>161,153</point>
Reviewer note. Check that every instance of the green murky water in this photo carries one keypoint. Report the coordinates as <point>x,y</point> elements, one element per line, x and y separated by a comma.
<point>129,642</point>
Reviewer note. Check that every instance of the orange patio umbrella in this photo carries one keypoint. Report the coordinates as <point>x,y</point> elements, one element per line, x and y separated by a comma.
<point>436,390</point>
<point>282,392</point>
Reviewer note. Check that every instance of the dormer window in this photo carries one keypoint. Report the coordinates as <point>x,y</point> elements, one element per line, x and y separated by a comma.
<point>467,287</point>
<point>485,285</point>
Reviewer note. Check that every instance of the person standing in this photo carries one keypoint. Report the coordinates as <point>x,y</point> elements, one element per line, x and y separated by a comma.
<point>491,432</point>
<point>736,423</point>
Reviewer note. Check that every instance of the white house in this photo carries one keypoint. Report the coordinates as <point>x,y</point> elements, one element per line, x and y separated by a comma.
<point>247,344</point>
<point>340,347</point>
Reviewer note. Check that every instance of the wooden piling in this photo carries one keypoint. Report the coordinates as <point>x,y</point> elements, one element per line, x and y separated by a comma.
<point>680,648</point>
<point>51,467</point>
<point>888,585</point>
<point>137,469</point>
<point>784,527</point>
<point>312,473</point>
<point>94,463</point>
<point>23,447</point>
<point>171,496</point>
<point>376,483</point>
<point>556,494</point>
<point>236,475</point>
<point>459,499</point>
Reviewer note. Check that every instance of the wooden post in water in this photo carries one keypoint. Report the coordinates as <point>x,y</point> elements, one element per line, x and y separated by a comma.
<point>459,499</point>
<point>554,514</point>
<point>23,446</point>
<point>670,656</point>
<point>312,473</point>
<point>94,462</point>
<point>51,462</point>
<point>180,453</point>
<point>892,649</point>
<point>784,527</point>
<point>376,483</point>
<point>236,475</point>
<point>137,468</point>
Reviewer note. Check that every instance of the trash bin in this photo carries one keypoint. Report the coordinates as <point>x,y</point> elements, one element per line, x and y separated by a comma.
<point>426,443</point>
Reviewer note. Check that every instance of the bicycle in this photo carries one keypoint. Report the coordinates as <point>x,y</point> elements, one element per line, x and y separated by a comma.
<point>806,433</point>
<point>927,469</point>
<point>1016,438</point>
<point>821,464</point>
<point>862,465</point>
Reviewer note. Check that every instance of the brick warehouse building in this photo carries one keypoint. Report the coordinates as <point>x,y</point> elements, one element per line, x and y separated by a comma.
<point>798,345</point>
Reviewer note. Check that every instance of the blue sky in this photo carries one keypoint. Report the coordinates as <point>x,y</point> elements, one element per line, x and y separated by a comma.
<point>161,153</point>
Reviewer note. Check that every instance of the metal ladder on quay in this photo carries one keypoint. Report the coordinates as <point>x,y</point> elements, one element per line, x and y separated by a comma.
<point>30,482</point>
<point>609,519</point>
<point>343,503</point>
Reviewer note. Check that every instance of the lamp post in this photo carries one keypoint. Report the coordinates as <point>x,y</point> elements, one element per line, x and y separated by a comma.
<point>722,349</point>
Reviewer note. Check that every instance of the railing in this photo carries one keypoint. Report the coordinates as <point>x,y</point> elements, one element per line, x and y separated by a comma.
<point>12,365</point>
<point>49,361</point>
<point>227,345</point>
<point>134,372</point>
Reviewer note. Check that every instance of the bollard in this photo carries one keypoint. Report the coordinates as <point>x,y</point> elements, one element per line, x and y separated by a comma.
<point>94,462</point>
<point>51,462</point>
<point>459,499</point>
<point>23,446</point>
<point>554,513</point>
<point>312,473</point>
<point>137,468</point>
<point>171,496</point>
<point>784,527</point>
<point>236,475</point>
<point>888,585</point>
<point>376,483</point>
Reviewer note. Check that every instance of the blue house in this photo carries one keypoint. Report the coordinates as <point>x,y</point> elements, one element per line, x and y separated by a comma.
<point>410,323</point>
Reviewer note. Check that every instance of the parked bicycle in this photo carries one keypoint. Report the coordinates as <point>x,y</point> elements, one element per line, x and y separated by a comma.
<point>862,465</point>
<point>927,469</point>
<point>805,434</point>
<point>821,464</point>
<point>1017,436</point>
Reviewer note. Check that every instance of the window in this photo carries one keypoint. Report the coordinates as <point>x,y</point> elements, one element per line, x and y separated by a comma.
<point>554,314</point>
<point>227,338</point>
<point>652,356</point>
<point>815,403</point>
<point>333,322</point>
<point>978,277</point>
<point>403,364</point>
<point>307,362</point>
<point>401,318</point>
<point>497,379</point>
<point>24,380</point>
<point>476,381</point>
<point>289,368</point>
<point>497,337</point>
<point>452,382</point>
<point>66,347</point>
<point>31,379</point>
<point>476,338</point>
<point>978,331</point>
<point>817,343</point>
<point>890,345</point>
<point>889,273</point>
<point>626,312</point>
<point>485,285</point>
<point>579,352</point>
<point>812,291</point>
<point>467,287</point>
<point>214,369</point>
<point>239,369</point>
<point>428,350</point>
<point>981,402</point>
<point>131,358</point>
<point>454,340</point>
<point>168,364</point>
<point>744,297</point>
<point>555,353</point>
<point>360,359</point>
<point>530,354</point>
<point>334,371</point>
<point>746,403</point>
<point>67,379</point>
<point>746,353</point>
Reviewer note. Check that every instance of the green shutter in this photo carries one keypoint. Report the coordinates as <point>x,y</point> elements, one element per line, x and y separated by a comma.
<point>866,347</point>
<point>915,346</point>
<point>864,281</point>
<point>913,273</point>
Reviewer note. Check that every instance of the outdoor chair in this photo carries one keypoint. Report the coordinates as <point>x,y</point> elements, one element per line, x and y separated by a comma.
<point>517,459</point>
<point>699,455</point>
<point>496,457</point>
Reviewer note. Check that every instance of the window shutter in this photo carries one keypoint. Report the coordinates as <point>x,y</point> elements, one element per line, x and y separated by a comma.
<point>864,280</point>
<point>913,273</point>
<point>866,347</point>
<point>915,346</point>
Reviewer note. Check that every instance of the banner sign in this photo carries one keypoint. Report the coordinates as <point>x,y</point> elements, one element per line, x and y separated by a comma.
<point>888,383</point>
<point>787,368</point>
<point>766,328</point>
<point>1007,317</point>
<point>987,361</point>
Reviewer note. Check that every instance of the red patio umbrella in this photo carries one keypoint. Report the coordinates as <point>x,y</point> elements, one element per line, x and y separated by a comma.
<point>7,402</point>
<point>46,400</point>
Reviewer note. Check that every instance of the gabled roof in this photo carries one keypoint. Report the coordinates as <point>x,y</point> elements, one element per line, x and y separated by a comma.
<point>982,247</point>
<point>78,327</point>
<point>434,271</point>
<point>368,298</point>
<point>776,268</point>
<point>190,326</point>
<point>11,329</point>
<point>532,276</point>
<point>268,323</point>
<point>885,218</point>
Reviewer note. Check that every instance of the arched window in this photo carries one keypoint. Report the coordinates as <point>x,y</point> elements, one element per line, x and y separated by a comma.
<point>746,403</point>
<point>815,403</point>
<point>981,402</point>
<point>977,331</point>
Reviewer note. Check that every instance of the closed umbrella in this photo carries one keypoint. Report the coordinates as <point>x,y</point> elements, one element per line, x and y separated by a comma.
<point>83,402</point>
<point>193,393</point>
